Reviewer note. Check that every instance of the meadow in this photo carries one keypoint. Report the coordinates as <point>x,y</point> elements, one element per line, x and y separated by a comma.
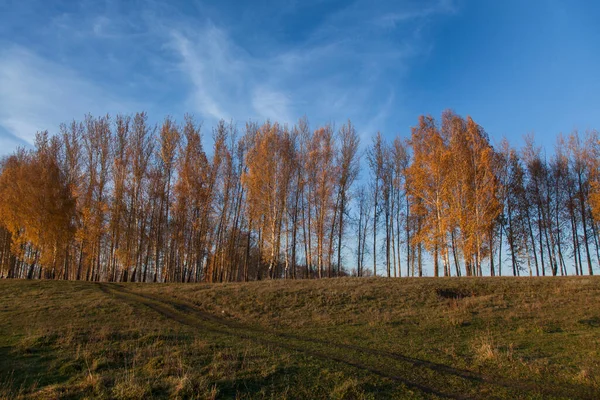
<point>346,338</point>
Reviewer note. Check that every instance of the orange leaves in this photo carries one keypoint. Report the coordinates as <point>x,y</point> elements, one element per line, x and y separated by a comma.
<point>269,166</point>
<point>429,181</point>
<point>453,184</point>
<point>35,202</point>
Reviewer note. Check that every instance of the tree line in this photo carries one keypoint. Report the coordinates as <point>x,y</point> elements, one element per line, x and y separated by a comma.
<point>116,199</point>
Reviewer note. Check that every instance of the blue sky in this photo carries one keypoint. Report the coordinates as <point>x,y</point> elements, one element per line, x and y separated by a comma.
<point>515,66</point>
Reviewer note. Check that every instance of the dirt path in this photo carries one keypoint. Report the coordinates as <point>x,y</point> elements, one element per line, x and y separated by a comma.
<point>402,369</point>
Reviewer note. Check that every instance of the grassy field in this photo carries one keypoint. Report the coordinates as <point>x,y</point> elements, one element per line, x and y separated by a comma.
<point>336,339</point>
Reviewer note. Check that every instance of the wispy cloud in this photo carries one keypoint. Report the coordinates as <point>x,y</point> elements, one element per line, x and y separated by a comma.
<point>271,104</point>
<point>327,80</point>
<point>109,57</point>
<point>37,94</point>
<point>202,65</point>
<point>394,18</point>
<point>9,142</point>
<point>226,82</point>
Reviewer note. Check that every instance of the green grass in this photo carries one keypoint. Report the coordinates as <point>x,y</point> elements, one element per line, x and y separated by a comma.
<point>335,339</point>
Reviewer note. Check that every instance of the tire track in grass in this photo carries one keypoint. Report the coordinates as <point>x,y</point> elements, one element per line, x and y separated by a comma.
<point>206,322</point>
<point>190,315</point>
<point>531,387</point>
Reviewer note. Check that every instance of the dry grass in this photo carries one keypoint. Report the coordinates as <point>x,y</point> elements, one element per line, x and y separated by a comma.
<point>343,339</point>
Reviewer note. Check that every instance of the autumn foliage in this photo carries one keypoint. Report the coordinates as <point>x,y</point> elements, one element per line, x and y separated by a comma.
<point>116,199</point>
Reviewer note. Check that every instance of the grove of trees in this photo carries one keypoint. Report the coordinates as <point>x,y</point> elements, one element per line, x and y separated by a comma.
<point>116,199</point>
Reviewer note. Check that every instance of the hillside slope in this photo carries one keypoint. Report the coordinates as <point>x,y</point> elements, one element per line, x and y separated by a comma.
<point>341,339</point>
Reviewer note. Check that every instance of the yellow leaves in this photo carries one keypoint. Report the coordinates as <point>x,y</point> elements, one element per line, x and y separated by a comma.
<point>268,171</point>
<point>35,203</point>
<point>595,199</point>
<point>594,167</point>
<point>452,181</point>
<point>169,140</point>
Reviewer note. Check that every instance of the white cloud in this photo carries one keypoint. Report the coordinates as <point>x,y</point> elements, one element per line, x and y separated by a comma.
<point>344,67</point>
<point>205,62</point>
<point>393,19</point>
<point>8,143</point>
<point>341,70</point>
<point>37,94</point>
<point>271,104</point>
<point>227,82</point>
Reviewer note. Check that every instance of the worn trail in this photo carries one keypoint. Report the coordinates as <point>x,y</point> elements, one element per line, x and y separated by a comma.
<point>443,381</point>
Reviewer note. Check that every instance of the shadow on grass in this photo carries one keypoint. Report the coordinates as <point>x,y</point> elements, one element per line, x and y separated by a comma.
<point>24,370</point>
